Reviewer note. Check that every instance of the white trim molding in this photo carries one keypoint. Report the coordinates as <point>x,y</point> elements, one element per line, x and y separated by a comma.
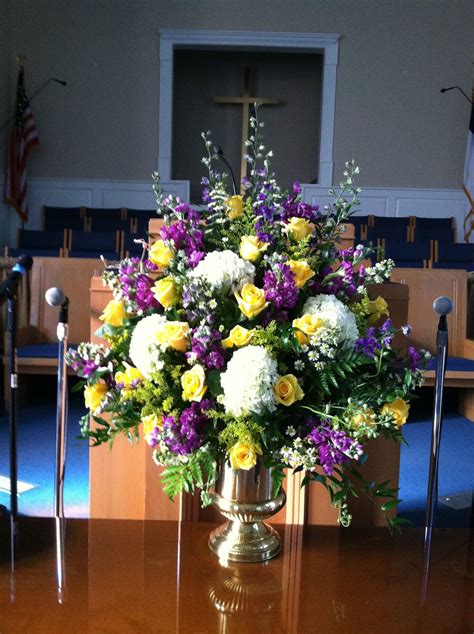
<point>381,201</point>
<point>325,43</point>
<point>390,201</point>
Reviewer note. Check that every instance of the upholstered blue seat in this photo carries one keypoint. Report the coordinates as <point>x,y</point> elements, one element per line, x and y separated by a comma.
<point>47,239</point>
<point>397,231</point>
<point>455,252</point>
<point>108,255</point>
<point>441,229</point>
<point>454,265</point>
<point>40,351</point>
<point>106,219</point>
<point>454,364</point>
<point>45,253</point>
<point>63,218</point>
<point>130,248</point>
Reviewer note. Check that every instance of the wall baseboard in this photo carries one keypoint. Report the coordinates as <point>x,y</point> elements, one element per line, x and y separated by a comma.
<point>62,192</point>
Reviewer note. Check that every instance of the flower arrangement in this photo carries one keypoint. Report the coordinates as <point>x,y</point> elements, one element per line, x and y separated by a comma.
<point>244,331</point>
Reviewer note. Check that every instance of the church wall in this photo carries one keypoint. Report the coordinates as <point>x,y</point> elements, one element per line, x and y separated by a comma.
<point>6,88</point>
<point>394,58</point>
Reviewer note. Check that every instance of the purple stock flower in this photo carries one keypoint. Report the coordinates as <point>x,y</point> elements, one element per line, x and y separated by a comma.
<point>280,289</point>
<point>368,344</point>
<point>185,435</point>
<point>136,285</point>
<point>414,358</point>
<point>334,447</point>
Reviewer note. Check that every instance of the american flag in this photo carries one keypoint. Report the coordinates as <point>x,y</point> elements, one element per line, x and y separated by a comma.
<point>24,138</point>
<point>468,184</point>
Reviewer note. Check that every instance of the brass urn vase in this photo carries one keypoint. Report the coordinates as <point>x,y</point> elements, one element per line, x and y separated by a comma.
<point>246,499</point>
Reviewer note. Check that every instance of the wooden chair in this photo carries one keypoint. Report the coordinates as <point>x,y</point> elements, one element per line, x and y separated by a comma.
<point>425,286</point>
<point>37,343</point>
<point>63,217</point>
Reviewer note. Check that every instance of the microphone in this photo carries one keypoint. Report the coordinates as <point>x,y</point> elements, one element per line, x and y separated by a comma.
<point>220,154</point>
<point>19,270</point>
<point>55,297</point>
<point>443,90</point>
<point>59,81</point>
<point>443,306</point>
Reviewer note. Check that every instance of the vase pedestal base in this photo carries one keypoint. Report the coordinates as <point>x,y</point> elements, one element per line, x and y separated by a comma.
<point>245,542</point>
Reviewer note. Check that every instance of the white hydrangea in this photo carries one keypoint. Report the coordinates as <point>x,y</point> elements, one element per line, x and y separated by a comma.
<point>144,349</point>
<point>248,381</point>
<point>335,315</point>
<point>224,270</point>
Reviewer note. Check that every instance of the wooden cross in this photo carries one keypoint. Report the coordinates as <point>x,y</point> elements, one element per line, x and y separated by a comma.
<point>247,101</point>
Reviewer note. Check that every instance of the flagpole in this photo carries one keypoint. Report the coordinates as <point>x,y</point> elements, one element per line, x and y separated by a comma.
<point>35,94</point>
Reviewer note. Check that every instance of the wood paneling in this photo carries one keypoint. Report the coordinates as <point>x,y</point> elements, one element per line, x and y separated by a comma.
<point>425,285</point>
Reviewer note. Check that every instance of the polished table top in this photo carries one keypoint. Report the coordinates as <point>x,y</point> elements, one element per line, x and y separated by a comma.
<point>134,576</point>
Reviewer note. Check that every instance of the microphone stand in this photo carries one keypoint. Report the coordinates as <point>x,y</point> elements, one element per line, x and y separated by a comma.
<point>12,416</point>
<point>432,497</point>
<point>62,334</point>
<point>61,429</point>
<point>220,154</point>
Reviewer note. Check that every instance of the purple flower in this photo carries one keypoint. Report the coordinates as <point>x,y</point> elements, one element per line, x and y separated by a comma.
<point>368,344</point>
<point>280,289</point>
<point>185,435</point>
<point>136,284</point>
<point>334,447</point>
<point>414,358</point>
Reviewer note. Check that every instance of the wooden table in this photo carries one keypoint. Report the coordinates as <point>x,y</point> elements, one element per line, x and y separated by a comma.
<point>153,576</point>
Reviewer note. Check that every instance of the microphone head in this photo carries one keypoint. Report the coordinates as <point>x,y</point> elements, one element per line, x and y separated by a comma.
<point>23,264</point>
<point>443,305</point>
<point>55,297</point>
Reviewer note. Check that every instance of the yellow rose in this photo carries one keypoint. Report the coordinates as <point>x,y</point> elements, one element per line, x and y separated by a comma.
<point>114,313</point>
<point>129,378</point>
<point>299,228</point>
<point>364,417</point>
<point>151,422</point>
<point>377,308</point>
<point>235,206</point>
<point>301,272</point>
<point>174,334</point>
<point>238,336</point>
<point>193,383</point>
<point>94,395</point>
<point>306,326</point>
<point>398,409</point>
<point>287,390</point>
<point>251,248</point>
<point>160,254</point>
<point>243,455</point>
<point>165,291</point>
<point>251,300</point>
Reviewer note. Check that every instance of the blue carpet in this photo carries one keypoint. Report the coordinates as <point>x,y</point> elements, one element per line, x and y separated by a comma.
<point>456,468</point>
<point>36,434</point>
<point>36,456</point>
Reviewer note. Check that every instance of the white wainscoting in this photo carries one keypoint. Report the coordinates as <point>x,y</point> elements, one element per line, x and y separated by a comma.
<point>426,203</point>
<point>87,192</point>
<point>139,195</point>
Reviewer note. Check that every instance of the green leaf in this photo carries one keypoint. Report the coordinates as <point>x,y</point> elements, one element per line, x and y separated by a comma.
<point>77,387</point>
<point>390,505</point>
<point>213,380</point>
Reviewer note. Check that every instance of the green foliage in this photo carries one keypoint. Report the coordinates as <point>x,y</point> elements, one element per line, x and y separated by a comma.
<point>198,471</point>
<point>337,376</point>
<point>242,429</point>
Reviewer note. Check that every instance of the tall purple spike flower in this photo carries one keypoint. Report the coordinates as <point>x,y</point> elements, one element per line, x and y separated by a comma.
<point>334,447</point>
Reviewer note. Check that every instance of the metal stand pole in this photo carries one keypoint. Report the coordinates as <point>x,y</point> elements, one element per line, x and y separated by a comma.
<point>432,497</point>
<point>11,329</point>
<point>61,414</point>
